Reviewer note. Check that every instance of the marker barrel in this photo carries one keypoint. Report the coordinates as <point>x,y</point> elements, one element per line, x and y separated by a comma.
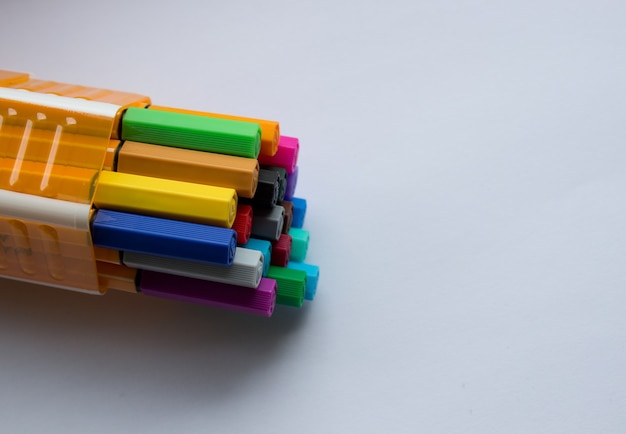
<point>245,270</point>
<point>223,136</point>
<point>163,237</point>
<point>270,130</point>
<point>166,198</point>
<point>259,301</point>
<point>207,168</point>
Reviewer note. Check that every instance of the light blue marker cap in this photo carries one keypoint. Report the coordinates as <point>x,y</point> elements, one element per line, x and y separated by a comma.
<point>312,276</point>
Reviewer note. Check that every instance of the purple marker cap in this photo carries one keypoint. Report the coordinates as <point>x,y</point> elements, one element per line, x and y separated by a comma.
<point>259,301</point>
<point>292,180</point>
<point>286,156</point>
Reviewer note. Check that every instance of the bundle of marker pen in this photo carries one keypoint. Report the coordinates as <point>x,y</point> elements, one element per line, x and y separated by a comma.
<point>100,190</point>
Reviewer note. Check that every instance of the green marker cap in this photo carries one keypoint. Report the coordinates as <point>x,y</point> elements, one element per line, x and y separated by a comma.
<point>200,133</point>
<point>290,285</point>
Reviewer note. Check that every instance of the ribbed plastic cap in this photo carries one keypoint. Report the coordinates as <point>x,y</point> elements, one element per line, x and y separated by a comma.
<point>164,237</point>
<point>299,212</point>
<point>288,215</point>
<point>300,244</point>
<point>263,246</point>
<point>246,270</point>
<point>268,223</point>
<point>292,181</point>
<point>243,223</point>
<point>282,180</point>
<point>286,156</point>
<point>281,250</point>
<point>267,190</point>
<point>259,301</point>
<point>201,133</point>
<point>290,285</point>
<point>312,277</point>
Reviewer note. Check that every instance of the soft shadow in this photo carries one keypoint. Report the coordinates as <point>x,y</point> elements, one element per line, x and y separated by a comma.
<point>126,340</point>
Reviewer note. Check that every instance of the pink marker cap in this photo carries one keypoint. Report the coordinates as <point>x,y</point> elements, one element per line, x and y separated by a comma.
<point>286,156</point>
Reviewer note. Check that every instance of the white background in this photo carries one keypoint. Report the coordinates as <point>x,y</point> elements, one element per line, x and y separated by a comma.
<point>464,167</point>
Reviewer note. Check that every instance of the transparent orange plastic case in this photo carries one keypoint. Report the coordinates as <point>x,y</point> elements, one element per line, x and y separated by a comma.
<point>51,151</point>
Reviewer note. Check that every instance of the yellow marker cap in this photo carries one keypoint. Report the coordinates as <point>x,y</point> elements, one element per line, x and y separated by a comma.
<point>166,198</point>
<point>270,130</point>
<point>239,173</point>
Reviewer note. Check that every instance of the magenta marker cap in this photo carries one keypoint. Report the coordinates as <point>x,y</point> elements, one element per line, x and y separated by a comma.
<point>259,301</point>
<point>286,156</point>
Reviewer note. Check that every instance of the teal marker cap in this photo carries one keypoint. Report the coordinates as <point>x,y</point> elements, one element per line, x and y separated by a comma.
<point>299,244</point>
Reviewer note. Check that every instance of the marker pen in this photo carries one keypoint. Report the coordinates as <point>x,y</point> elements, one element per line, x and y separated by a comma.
<point>259,301</point>
<point>201,133</point>
<point>246,268</point>
<point>166,198</point>
<point>270,130</point>
<point>164,237</point>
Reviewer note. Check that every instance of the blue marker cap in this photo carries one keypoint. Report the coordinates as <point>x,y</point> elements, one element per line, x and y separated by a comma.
<point>299,211</point>
<point>312,276</point>
<point>265,247</point>
<point>163,237</point>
